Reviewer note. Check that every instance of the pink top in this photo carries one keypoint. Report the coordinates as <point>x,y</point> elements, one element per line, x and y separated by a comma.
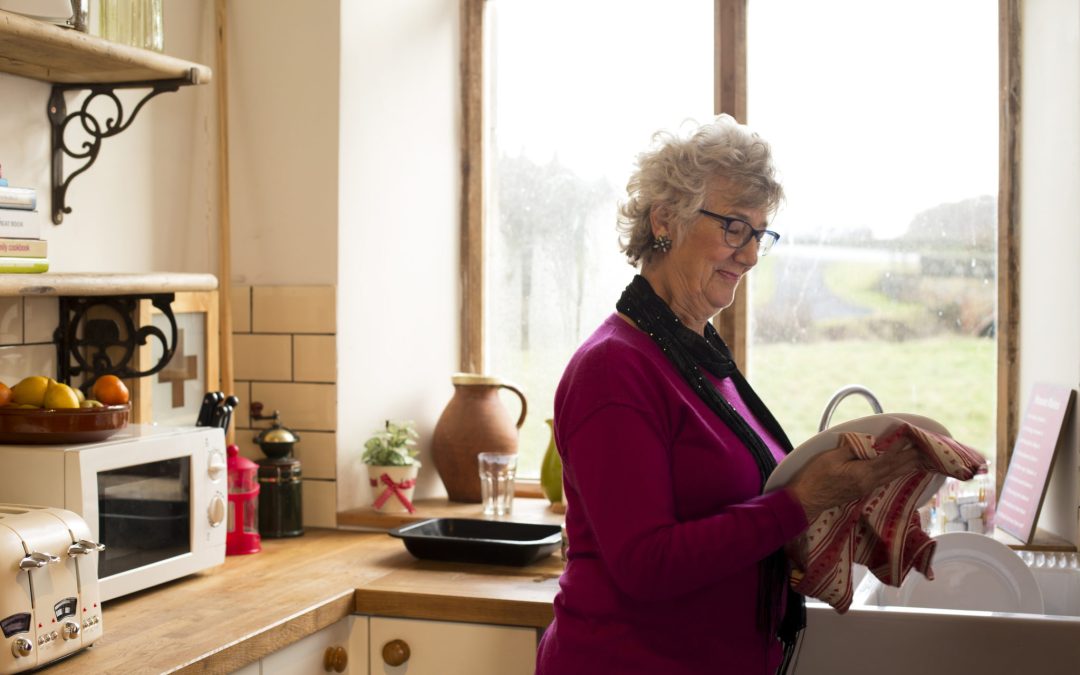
<point>665,520</point>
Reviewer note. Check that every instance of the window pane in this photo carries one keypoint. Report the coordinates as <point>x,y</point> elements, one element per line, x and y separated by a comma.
<point>577,90</point>
<point>885,129</point>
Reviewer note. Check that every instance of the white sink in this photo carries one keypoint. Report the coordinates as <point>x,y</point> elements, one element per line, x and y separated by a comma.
<point>885,640</point>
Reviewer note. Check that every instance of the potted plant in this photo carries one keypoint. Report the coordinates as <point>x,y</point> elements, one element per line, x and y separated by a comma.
<point>390,455</point>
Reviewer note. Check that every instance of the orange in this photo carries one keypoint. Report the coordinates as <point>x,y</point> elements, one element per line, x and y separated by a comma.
<point>110,390</point>
<point>5,394</point>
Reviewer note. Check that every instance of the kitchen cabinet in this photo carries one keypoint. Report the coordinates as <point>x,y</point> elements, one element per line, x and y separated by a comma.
<point>338,648</point>
<point>362,645</point>
<point>449,648</point>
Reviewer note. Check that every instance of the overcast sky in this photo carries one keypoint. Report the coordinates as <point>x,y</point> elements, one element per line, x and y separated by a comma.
<point>876,110</point>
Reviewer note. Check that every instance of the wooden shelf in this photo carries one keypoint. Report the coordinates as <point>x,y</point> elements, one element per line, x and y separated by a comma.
<point>1042,541</point>
<point>90,284</point>
<point>49,53</point>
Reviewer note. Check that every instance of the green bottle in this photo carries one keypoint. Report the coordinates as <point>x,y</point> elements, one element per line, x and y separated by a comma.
<point>551,469</point>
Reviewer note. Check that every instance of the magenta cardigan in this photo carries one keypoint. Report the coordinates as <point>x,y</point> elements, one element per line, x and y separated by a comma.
<point>665,521</point>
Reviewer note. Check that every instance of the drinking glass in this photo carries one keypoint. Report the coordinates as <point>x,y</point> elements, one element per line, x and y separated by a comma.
<point>497,471</point>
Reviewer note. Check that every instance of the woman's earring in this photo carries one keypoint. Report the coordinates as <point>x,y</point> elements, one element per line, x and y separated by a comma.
<point>661,243</point>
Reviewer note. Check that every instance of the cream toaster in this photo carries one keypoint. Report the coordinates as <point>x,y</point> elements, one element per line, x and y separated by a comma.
<point>49,606</point>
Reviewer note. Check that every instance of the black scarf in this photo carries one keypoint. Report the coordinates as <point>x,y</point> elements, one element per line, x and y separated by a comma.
<point>689,353</point>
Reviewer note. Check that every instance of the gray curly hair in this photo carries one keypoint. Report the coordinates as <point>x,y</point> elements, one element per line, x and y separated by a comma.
<point>677,171</point>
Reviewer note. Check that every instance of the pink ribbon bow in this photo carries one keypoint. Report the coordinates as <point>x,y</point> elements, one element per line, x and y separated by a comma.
<point>881,530</point>
<point>395,489</point>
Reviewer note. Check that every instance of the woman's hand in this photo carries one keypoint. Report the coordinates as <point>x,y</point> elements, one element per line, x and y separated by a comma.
<point>837,477</point>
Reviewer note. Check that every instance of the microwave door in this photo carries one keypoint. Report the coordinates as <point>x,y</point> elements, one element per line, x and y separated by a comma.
<point>144,514</point>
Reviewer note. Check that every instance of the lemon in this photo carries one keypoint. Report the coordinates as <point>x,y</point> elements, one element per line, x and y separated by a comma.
<point>78,392</point>
<point>91,403</point>
<point>30,391</point>
<point>59,395</point>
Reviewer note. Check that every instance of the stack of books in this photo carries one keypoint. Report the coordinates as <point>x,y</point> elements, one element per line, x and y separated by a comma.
<point>22,250</point>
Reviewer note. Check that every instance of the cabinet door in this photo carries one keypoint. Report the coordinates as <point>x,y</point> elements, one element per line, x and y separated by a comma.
<point>446,648</point>
<point>308,656</point>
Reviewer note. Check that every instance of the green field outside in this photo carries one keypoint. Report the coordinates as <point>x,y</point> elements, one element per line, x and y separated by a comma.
<point>949,378</point>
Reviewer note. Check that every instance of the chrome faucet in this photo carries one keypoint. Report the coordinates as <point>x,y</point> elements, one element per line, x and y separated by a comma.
<point>843,393</point>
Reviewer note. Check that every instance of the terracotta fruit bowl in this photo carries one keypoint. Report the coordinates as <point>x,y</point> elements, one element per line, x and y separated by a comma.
<point>64,425</point>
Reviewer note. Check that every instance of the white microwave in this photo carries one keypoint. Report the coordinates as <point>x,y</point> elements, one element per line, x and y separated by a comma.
<point>156,497</point>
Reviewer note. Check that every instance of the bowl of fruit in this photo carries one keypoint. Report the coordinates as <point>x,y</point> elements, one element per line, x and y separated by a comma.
<point>40,410</point>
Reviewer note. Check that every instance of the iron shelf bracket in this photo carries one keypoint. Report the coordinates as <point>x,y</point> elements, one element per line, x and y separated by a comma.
<point>97,336</point>
<point>59,119</point>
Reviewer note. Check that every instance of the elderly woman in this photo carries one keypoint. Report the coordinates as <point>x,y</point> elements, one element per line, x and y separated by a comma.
<point>676,563</point>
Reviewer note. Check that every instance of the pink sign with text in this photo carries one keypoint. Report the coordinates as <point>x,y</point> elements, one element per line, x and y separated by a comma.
<point>1032,459</point>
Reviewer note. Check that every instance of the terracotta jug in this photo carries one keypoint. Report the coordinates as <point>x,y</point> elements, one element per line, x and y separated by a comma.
<point>474,421</point>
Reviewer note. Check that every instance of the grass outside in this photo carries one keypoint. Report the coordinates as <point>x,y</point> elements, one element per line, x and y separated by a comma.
<point>860,284</point>
<point>949,378</point>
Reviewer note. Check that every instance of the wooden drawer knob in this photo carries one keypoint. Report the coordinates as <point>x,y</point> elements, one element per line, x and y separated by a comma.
<point>396,652</point>
<point>336,659</point>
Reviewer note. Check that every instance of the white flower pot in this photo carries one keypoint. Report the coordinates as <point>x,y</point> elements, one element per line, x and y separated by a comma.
<point>396,499</point>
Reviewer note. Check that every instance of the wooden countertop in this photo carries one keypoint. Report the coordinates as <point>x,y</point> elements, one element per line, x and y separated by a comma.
<point>251,606</point>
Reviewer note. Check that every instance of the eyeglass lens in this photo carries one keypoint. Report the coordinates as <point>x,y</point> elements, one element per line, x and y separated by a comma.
<point>738,233</point>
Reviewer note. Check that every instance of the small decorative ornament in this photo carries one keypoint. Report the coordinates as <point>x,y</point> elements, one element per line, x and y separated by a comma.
<point>661,243</point>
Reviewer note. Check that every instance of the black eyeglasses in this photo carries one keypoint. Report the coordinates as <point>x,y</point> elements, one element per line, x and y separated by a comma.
<point>738,233</point>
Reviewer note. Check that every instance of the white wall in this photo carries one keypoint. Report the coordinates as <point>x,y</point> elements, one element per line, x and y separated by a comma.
<point>149,202</point>
<point>283,140</point>
<point>343,124</point>
<point>399,211</point>
<point>1050,227</point>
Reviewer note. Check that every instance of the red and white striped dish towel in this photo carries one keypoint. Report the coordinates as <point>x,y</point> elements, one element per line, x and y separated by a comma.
<point>881,530</point>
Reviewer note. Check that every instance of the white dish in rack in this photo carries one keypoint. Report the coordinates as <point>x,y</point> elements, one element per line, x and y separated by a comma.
<point>971,572</point>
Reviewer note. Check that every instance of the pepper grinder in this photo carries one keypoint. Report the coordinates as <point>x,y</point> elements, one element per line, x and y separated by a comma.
<point>280,484</point>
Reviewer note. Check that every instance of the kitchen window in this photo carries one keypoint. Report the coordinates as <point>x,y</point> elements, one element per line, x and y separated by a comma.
<point>874,281</point>
<point>886,275</point>
<point>570,96</point>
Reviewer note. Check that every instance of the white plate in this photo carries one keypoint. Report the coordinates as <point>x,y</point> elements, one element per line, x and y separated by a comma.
<point>875,425</point>
<point>971,572</point>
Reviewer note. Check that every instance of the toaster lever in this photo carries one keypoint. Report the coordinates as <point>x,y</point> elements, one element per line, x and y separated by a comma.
<point>37,559</point>
<point>84,546</point>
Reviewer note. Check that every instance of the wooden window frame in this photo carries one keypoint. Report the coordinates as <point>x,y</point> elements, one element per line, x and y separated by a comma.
<point>730,97</point>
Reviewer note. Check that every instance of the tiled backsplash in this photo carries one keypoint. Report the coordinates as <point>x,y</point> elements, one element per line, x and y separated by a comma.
<point>284,356</point>
<point>26,333</point>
